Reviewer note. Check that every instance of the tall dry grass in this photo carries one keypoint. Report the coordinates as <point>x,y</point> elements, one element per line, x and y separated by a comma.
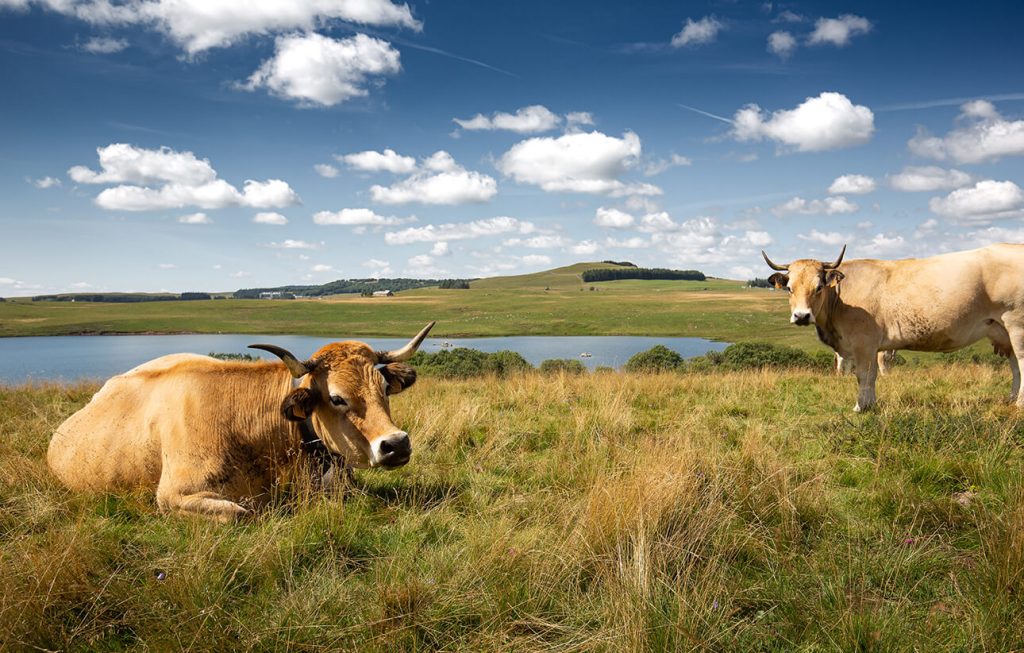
<point>612,512</point>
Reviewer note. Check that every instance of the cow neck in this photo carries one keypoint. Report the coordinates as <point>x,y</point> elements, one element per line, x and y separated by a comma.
<point>313,447</point>
<point>827,331</point>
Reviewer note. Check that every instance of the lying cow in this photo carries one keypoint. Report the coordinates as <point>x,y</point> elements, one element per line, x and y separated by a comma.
<point>211,435</point>
<point>941,303</point>
<point>885,359</point>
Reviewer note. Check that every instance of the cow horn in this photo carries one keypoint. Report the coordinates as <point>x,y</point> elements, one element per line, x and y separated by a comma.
<point>296,367</point>
<point>774,266</point>
<point>833,266</point>
<point>406,352</point>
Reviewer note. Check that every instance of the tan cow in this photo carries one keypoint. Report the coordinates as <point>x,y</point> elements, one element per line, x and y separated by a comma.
<point>213,436</point>
<point>941,303</point>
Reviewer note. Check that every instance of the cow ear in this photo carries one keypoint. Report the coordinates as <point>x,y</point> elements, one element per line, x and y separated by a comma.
<point>398,376</point>
<point>299,404</point>
<point>779,280</point>
<point>833,277</point>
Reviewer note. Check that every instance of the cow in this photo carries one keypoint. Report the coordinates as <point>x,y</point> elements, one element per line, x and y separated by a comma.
<point>885,359</point>
<point>941,303</point>
<point>212,436</point>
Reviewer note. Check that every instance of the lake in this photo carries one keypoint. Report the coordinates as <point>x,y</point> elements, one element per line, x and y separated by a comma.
<point>71,358</point>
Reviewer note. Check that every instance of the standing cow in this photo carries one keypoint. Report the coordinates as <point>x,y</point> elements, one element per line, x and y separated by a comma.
<point>212,435</point>
<point>941,303</point>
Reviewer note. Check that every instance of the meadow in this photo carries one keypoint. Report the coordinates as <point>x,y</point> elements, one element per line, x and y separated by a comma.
<point>721,511</point>
<point>555,302</point>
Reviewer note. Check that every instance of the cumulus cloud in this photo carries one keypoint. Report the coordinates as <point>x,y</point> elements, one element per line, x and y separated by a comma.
<point>527,120</point>
<point>658,166</point>
<point>326,170</point>
<point>321,267</point>
<point>636,242</point>
<point>459,231</point>
<point>294,244</point>
<point>357,217</point>
<point>100,45</point>
<point>317,70</point>
<point>986,200</point>
<point>46,182</point>
<point>440,248</point>
<point>576,119</point>
<point>583,162</point>
<point>373,161</point>
<point>829,121</point>
<point>852,185</point>
<point>378,267</point>
<point>839,31</point>
<point>836,205</point>
<point>195,218</point>
<point>440,180</point>
<point>983,135</point>
<point>831,238</point>
<point>198,25</point>
<point>269,217</point>
<point>883,245</point>
<point>698,32</point>
<point>928,178</point>
<point>186,181</point>
<point>543,241</point>
<point>585,248</point>
<point>613,218</point>
<point>781,43</point>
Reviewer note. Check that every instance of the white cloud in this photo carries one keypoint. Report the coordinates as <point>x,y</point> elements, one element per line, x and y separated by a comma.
<point>781,43</point>
<point>835,205</point>
<point>575,119</point>
<point>440,248</point>
<point>326,170</point>
<point>852,185</point>
<point>585,248</point>
<point>984,135</point>
<point>883,245</point>
<point>635,242</point>
<point>928,178</point>
<point>440,181</point>
<point>269,217</point>
<point>81,285</point>
<point>657,222</point>
<point>613,218</point>
<point>46,182</point>
<point>830,238</point>
<point>240,274</point>
<point>187,181</point>
<point>124,163</point>
<point>100,45</point>
<point>658,166</point>
<point>198,25</point>
<point>699,32</point>
<point>386,161</point>
<point>583,162</point>
<point>195,218</point>
<point>317,70</point>
<point>839,31</point>
<point>357,217</point>
<point>826,122</point>
<point>986,200</point>
<point>788,16</point>
<point>166,266</point>
<point>536,259</point>
<point>322,267</point>
<point>543,241</point>
<point>379,268</point>
<point>527,120</point>
<point>294,244</point>
<point>459,231</point>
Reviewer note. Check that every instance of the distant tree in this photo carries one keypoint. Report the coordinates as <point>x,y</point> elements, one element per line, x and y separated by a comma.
<point>461,284</point>
<point>759,283</point>
<point>612,274</point>
<point>192,296</point>
<point>656,359</point>
<point>625,264</point>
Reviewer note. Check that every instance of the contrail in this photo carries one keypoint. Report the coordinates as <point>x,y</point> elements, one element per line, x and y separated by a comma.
<point>444,53</point>
<point>705,113</point>
<point>949,102</point>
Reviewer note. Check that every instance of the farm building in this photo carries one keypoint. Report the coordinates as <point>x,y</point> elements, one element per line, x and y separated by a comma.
<point>383,293</point>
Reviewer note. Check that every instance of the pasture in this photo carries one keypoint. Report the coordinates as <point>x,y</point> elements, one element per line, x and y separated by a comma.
<point>607,512</point>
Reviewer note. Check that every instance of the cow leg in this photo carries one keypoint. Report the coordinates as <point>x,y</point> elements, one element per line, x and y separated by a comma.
<point>1002,347</point>
<point>207,504</point>
<point>1016,332</point>
<point>866,367</point>
<point>883,362</point>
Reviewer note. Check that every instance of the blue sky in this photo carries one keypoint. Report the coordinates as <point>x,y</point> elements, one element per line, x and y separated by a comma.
<point>210,145</point>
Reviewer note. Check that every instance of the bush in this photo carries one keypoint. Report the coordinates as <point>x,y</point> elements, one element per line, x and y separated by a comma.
<point>506,362</point>
<point>460,362</point>
<point>656,359</point>
<point>249,358</point>
<point>975,357</point>
<point>567,365</point>
<point>759,283</point>
<point>756,355</point>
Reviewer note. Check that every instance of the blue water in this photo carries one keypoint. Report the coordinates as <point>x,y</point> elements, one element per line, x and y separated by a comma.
<point>71,358</point>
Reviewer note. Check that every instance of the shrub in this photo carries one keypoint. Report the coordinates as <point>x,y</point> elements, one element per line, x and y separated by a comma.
<point>460,362</point>
<point>567,365</point>
<point>249,358</point>
<point>978,358</point>
<point>759,283</point>
<point>656,359</point>
<point>506,362</point>
<point>748,355</point>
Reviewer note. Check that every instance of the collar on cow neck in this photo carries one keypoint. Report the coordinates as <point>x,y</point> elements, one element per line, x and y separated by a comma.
<point>313,446</point>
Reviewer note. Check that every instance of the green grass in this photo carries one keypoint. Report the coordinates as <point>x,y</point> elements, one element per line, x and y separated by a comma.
<point>503,306</point>
<point>610,512</point>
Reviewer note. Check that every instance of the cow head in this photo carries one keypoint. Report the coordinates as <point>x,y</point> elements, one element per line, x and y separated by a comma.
<point>344,391</point>
<point>807,281</point>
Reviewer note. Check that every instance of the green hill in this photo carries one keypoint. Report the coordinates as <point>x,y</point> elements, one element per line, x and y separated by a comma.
<point>566,277</point>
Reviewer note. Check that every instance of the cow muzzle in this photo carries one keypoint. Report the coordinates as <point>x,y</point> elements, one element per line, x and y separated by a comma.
<point>801,318</point>
<point>392,450</point>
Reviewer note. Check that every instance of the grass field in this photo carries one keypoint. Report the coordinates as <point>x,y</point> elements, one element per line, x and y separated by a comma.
<point>612,512</point>
<point>555,302</point>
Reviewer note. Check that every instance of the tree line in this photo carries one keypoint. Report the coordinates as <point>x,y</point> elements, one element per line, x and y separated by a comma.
<point>122,297</point>
<point>612,274</point>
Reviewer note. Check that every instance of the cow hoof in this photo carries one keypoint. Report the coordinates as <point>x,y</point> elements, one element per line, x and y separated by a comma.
<point>857,408</point>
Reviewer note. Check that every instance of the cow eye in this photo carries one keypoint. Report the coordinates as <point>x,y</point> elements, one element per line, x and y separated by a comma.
<point>337,400</point>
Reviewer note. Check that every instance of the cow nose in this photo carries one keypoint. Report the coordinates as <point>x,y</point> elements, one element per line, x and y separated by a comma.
<point>801,318</point>
<point>394,450</point>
